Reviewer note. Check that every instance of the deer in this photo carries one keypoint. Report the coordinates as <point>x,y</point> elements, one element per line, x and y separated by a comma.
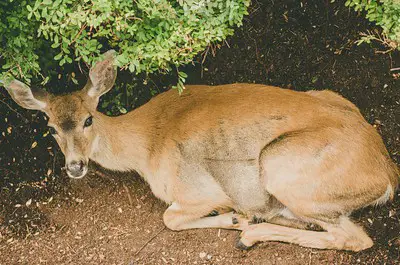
<point>263,160</point>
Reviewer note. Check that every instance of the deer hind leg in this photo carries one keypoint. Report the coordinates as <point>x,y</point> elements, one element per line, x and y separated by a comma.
<point>344,235</point>
<point>178,217</point>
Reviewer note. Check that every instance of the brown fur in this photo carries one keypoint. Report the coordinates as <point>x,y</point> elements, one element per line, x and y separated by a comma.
<point>250,151</point>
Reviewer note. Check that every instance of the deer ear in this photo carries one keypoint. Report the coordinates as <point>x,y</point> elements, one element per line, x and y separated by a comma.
<point>26,97</point>
<point>102,75</point>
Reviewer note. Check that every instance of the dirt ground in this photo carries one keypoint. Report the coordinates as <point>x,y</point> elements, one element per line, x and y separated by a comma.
<point>116,220</point>
<point>112,218</point>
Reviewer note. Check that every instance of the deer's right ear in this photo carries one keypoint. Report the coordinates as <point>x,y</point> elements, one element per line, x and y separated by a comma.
<point>27,98</point>
<point>102,75</point>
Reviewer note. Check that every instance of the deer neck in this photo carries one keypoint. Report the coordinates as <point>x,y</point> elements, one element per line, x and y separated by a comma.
<point>120,143</point>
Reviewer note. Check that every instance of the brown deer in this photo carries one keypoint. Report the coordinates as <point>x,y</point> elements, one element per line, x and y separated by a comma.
<point>261,159</point>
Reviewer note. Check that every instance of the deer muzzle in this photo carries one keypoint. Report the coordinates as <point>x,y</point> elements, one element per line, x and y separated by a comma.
<point>77,169</point>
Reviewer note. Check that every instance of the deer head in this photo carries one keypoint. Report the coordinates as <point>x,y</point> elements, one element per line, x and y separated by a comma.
<point>71,116</point>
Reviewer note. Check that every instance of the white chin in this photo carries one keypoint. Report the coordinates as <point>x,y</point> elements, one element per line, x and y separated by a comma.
<point>77,177</point>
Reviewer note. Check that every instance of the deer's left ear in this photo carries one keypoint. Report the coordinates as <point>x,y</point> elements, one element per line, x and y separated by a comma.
<point>26,97</point>
<point>102,75</point>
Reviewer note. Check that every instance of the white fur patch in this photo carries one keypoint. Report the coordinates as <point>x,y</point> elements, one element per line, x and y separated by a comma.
<point>175,206</point>
<point>385,197</point>
<point>41,104</point>
<point>92,92</point>
<point>95,145</point>
<point>287,213</point>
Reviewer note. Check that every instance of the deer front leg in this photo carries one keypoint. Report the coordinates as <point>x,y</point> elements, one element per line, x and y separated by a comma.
<point>178,217</point>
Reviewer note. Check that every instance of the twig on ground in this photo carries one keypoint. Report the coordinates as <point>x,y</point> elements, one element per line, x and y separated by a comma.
<point>19,114</point>
<point>128,193</point>
<point>103,175</point>
<point>148,241</point>
<point>73,250</point>
<point>54,162</point>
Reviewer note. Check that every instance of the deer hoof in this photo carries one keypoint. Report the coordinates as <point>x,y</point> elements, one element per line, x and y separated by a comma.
<point>213,213</point>
<point>235,220</point>
<point>240,245</point>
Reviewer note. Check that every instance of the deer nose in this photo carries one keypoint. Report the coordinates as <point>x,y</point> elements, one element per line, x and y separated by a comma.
<point>76,169</point>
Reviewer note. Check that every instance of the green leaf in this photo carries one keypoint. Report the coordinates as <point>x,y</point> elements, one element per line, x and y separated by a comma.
<point>58,56</point>
<point>62,62</point>
<point>182,74</point>
<point>150,36</point>
<point>132,67</point>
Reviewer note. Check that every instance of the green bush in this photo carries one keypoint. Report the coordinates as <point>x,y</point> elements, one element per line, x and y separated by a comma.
<point>149,35</point>
<point>385,13</point>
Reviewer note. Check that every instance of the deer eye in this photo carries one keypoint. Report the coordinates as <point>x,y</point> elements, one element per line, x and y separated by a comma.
<point>52,130</point>
<point>89,121</point>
